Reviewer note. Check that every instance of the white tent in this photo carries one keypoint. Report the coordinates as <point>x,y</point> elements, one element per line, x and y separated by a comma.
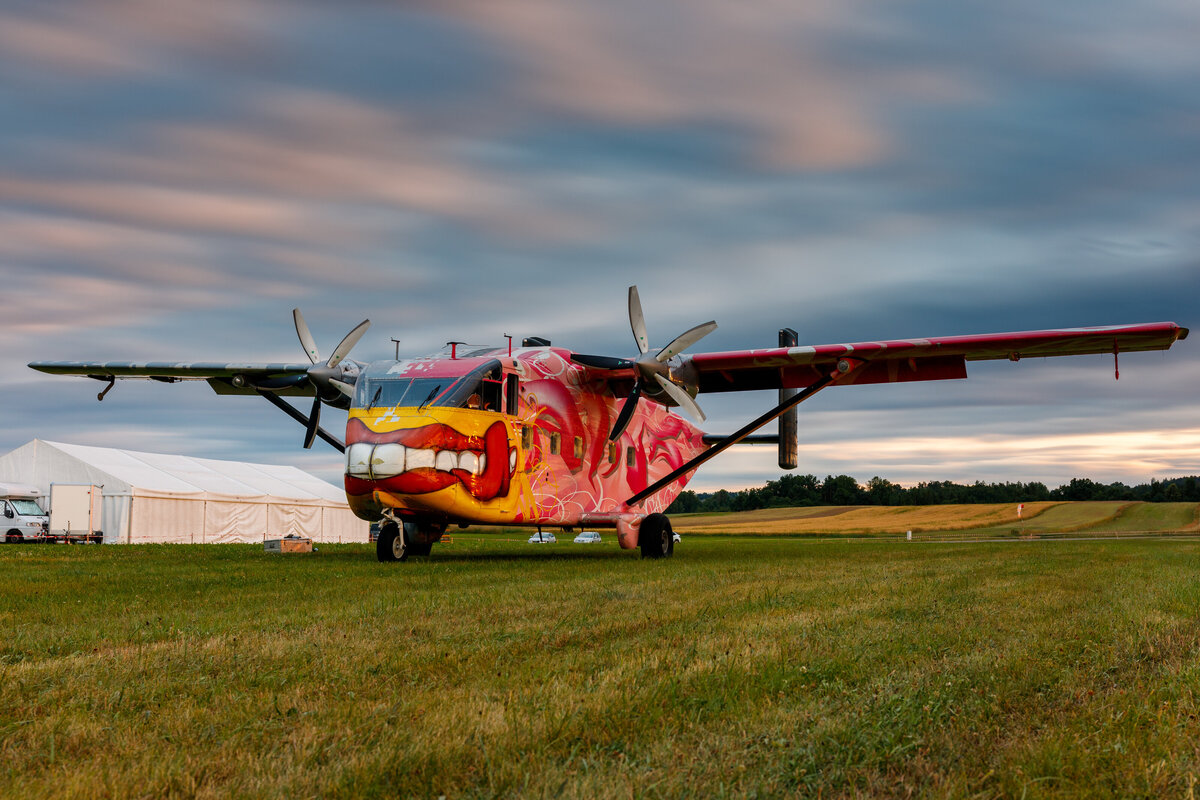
<point>149,497</point>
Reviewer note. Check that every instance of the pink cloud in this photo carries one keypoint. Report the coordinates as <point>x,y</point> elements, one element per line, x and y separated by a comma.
<point>704,60</point>
<point>114,38</point>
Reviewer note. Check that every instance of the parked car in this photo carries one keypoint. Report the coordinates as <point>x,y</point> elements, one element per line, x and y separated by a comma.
<point>542,538</point>
<point>21,518</point>
<point>587,537</point>
<point>674,537</point>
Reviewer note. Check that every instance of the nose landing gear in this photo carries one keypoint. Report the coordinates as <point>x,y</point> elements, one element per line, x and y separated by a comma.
<point>397,544</point>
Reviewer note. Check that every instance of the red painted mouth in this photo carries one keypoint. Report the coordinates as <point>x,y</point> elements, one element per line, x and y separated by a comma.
<point>441,455</point>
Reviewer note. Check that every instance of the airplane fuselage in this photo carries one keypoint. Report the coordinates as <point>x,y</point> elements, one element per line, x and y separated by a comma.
<point>499,438</point>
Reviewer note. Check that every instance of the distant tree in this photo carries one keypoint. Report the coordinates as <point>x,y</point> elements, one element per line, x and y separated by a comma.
<point>687,503</point>
<point>882,492</point>
<point>842,491</point>
<point>1079,489</point>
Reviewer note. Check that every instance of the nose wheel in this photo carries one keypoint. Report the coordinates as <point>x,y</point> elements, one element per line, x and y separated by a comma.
<point>397,544</point>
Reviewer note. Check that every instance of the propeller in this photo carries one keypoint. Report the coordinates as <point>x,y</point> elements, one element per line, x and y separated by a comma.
<point>326,375</point>
<point>652,373</point>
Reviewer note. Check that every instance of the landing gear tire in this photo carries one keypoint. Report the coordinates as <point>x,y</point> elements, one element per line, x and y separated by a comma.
<point>397,544</point>
<point>656,537</point>
<point>390,546</point>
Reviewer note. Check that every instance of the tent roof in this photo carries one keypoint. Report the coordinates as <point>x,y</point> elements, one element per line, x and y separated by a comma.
<point>184,475</point>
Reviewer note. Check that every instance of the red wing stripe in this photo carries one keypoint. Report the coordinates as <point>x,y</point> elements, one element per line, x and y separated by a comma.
<point>1061,342</point>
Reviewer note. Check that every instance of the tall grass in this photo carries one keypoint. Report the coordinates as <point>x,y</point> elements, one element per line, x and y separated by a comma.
<point>742,667</point>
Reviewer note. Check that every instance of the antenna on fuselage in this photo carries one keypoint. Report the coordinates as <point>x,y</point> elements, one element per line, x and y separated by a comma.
<point>454,349</point>
<point>397,341</point>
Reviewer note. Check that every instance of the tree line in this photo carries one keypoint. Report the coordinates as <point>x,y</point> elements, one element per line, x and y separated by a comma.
<point>843,490</point>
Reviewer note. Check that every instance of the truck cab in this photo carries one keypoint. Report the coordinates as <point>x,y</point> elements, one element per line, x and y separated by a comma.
<point>21,518</point>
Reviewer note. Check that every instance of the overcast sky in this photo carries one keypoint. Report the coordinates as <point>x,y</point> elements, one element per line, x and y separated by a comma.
<point>176,176</point>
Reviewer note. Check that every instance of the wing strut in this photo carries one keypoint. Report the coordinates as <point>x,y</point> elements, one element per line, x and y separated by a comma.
<point>290,410</point>
<point>845,367</point>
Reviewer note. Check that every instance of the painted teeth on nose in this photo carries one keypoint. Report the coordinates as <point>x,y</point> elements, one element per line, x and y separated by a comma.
<point>512,461</point>
<point>482,463</point>
<point>358,459</point>
<point>388,460</point>
<point>418,459</point>
<point>446,461</point>
<point>468,462</point>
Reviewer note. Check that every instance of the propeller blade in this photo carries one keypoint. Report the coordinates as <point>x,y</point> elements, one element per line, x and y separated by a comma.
<point>682,398</point>
<point>306,339</point>
<point>602,362</point>
<point>626,411</point>
<point>343,348</point>
<point>343,387</point>
<point>314,422</point>
<point>636,321</point>
<point>686,339</point>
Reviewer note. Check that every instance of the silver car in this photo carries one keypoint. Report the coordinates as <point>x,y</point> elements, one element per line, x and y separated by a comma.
<point>588,537</point>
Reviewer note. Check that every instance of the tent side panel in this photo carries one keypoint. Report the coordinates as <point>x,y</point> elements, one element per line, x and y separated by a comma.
<point>290,518</point>
<point>114,515</point>
<point>234,521</point>
<point>341,525</point>
<point>173,521</point>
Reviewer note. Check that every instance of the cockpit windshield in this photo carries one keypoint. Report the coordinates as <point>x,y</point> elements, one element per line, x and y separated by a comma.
<point>479,389</point>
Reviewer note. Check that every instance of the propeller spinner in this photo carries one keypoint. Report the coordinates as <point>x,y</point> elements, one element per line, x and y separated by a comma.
<point>652,369</point>
<point>325,376</point>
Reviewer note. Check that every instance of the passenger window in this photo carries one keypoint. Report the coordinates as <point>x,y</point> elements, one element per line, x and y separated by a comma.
<point>555,438</point>
<point>526,437</point>
<point>630,457</point>
<point>612,452</point>
<point>511,394</point>
<point>578,447</point>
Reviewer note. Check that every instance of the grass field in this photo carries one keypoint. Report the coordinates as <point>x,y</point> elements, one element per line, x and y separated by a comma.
<point>742,667</point>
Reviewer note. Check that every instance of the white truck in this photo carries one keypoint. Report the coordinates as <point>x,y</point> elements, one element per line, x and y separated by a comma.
<point>75,513</point>
<point>21,518</point>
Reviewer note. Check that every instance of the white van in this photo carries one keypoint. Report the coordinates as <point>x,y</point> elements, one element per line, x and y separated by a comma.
<point>21,518</point>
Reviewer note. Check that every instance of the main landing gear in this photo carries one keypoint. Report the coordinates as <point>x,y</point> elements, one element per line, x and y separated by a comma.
<point>656,538</point>
<point>396,544</point>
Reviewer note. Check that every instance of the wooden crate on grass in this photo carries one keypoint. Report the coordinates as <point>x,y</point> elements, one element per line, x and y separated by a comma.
<point>288,545</point>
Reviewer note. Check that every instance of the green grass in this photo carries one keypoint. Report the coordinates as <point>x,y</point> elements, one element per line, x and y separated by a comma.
<point>743,667</point>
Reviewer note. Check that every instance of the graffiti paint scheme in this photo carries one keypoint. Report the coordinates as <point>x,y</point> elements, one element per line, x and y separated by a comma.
<point>551,463</point>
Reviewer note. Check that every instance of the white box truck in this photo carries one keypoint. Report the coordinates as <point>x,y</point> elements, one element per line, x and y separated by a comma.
<point>75,513</point>
<point>21,518</point>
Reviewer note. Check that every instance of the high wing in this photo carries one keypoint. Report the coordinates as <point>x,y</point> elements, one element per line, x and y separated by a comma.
<point>812,368</point>
<point>286,379</point>
<point>912,359</point>
<point>326,381</point>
